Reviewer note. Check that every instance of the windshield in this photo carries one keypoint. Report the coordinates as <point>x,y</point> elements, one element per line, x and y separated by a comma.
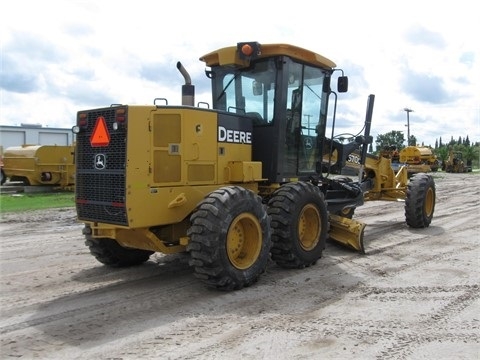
<point>247,91</point>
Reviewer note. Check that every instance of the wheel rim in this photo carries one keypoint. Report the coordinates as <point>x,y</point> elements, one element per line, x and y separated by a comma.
<point>244,241</point>
<point>309,227</point>
<point>429,201</point>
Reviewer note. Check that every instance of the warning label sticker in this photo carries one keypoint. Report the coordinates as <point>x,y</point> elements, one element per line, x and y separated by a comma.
<point>100,135</point>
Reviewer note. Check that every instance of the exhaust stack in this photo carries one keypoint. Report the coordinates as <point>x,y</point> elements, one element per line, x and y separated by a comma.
<point>188,90</point>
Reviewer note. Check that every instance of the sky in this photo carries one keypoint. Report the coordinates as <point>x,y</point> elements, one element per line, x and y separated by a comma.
<point>60,57</point>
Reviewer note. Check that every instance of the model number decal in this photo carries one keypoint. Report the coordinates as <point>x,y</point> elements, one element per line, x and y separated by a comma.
<point>234,136</point>
<point>352,158</point>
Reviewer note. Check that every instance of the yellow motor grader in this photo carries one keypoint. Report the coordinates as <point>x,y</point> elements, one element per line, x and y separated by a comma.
<point>250,177</point>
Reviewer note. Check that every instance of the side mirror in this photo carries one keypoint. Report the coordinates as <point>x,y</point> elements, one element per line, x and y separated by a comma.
<point>342,84</point>
<point>257,88</point>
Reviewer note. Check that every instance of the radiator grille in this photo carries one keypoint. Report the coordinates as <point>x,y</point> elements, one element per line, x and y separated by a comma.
<point>100,192</point>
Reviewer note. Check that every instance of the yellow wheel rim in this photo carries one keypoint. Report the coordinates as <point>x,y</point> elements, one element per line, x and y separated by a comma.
<point>244,241</point>
<point>429,202</point>
<point>309,227</point>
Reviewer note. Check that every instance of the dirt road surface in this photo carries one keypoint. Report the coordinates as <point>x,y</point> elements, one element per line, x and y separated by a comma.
<point>413,295</point>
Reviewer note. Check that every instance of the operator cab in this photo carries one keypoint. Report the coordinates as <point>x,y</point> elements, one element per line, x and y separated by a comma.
<point>284,91</point>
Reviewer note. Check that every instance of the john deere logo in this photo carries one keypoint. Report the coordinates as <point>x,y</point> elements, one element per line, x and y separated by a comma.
<point>100,161</point>
<point>308,143</point>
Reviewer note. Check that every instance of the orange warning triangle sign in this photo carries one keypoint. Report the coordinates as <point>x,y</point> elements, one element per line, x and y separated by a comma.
<point>100,135</point>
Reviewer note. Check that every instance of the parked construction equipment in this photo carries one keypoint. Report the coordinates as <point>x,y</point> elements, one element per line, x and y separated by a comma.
<point>419,159</point>
<point>249,178</point>
<point>454,163</point>
<point>34,165</point>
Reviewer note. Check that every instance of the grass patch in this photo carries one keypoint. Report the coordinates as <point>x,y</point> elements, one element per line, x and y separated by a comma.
<point>35,201</point>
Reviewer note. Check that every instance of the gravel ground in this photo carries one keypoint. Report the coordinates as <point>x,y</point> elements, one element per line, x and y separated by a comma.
<point>413,295</point>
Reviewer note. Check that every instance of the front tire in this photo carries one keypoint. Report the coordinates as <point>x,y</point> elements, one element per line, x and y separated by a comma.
<point>299,224</point>
<point>111,253</point>
<point>229,239</point>
<point>420,201</point>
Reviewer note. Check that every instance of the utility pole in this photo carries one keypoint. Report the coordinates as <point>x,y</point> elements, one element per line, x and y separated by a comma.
<point>408,124</point>
<point>308,122</point>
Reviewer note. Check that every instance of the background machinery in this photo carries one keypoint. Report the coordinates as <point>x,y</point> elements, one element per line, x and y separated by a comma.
<point>419,159</point>
<point>454,163</point>
<point>234,184</point>
<point>40,165</point>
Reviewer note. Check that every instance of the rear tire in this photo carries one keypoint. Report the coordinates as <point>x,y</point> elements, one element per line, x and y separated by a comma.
<point>229,239</point>
<point>420,201</point>
<point>111,253</point>
<point>299,224</point>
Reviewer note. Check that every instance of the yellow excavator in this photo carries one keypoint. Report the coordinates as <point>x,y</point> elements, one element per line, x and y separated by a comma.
<point>235,182</point>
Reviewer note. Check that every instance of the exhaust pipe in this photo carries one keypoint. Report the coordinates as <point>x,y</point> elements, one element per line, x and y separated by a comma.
<point>188,90</point>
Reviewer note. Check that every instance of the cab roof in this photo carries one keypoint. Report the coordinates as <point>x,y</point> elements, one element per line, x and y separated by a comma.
<point>231,56</point>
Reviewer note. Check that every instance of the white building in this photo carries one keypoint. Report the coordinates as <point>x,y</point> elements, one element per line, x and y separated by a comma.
<point>34,134</point>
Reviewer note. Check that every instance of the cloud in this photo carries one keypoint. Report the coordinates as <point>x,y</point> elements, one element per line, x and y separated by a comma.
<point>467,58</point>
<point>418,35</point>
<point>90,54</point>
<point>25,61</point>
<point>17,79</point>
<point>425,88</point>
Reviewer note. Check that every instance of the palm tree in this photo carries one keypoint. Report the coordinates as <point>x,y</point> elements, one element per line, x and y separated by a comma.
<point>442,154</point>
<point>470,153</point>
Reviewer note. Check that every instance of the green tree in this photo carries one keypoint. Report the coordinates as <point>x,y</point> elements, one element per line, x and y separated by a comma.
<point>442,153</point>
<point>412,141</point>
<point>392,138</point>
<point>470,153</point>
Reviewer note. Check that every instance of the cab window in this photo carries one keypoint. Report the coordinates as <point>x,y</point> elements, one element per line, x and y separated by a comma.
<point>249,92</point>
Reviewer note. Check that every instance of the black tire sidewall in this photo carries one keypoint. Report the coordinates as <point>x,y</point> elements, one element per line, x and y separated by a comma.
<point>255,208</point>
<point>208,233</point>
<point>285,208</point>
<point>418,188</point>
<point>303,200</point>
<point>109,252</point>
